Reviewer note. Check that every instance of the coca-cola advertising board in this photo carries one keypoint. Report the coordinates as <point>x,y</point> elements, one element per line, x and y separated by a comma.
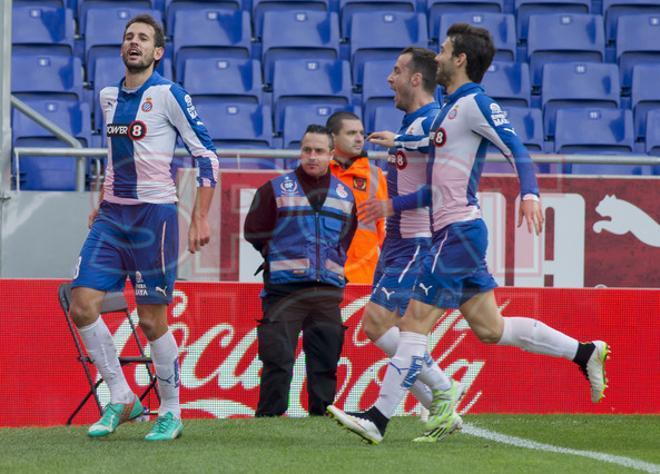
<point>600,232</point>
<point>214,324</point>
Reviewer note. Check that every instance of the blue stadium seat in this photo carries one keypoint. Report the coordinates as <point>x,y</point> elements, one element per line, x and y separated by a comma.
<point>502,27</point>
<point>85,6</point>
<point>594,130</point>
<point>297,81</point>
<point>44,173</point>
<point>563,38</point>
<point>637,41</point>
<point>384,117</point>
<point>210,33</point>
<point>508,84</point>
<point>347,8</point>
<point>235,77</point>
<point>645,94</point>
<point>49,173</point>
<point>383,36</point>
<point>294,34</point>
<point>525,8</point>
<point>47,74</point>
<point>528,124</point>
<point>653,132</point>
<point>72,117</point>
<point>374,84</point>
<point>37,25</point>
<point>298,116</point>
<point>238,125</point>
<point>577,85</point>
<point>613,9</point>
<point>260,7</point>
<point>105,31</point>
<point>436,8</point>
<point>173,6</point>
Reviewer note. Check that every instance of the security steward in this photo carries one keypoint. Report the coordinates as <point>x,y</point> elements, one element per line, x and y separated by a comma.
<point>352,167</point>
<point>302,223</point>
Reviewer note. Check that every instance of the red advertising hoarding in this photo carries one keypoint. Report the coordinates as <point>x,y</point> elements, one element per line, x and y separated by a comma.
<point>599,231</point>
<point>214,323</point>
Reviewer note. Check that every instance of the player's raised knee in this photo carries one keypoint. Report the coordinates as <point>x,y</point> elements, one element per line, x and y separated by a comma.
<point>488,335</point>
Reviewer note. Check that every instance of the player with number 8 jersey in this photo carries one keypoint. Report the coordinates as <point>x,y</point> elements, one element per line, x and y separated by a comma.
<point>134,232</point>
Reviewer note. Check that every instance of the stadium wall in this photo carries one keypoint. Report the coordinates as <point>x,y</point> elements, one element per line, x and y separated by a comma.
<point>214,323</point>
<point>600,231</point>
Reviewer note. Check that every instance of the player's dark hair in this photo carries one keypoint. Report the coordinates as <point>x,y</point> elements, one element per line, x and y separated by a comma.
<point>334,122</point>
<point>478,46</point>
<point>423,61</point>
<point>320,130</point>
<point>159,33</point>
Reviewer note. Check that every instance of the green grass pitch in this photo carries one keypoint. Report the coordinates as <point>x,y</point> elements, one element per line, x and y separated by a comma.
<point>318,445</point>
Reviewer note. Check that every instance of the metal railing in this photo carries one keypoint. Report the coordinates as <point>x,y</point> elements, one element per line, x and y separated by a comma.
<point>80,154</point>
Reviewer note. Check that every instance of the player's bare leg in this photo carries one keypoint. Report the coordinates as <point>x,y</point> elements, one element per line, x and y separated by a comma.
<point>483,316</point>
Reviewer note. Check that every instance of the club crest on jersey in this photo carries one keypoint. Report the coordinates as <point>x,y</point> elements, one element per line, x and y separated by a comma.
<point>341,191</point>
<point>289,186</point>
<point>136,130</point>
<point>147,105</point>
<point>359,183</point>
<point>439,137</point>
<point>452,113</point>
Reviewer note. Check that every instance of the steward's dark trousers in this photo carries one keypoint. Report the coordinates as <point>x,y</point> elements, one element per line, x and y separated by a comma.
<point>316,312</point>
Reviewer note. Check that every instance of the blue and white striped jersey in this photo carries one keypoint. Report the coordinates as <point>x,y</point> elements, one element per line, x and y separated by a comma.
<point>407,173</point>
<point>459,136</point>
<point>142,128</point>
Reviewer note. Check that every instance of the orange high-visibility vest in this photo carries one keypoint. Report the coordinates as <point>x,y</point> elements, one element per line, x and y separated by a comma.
<point>366,180</point>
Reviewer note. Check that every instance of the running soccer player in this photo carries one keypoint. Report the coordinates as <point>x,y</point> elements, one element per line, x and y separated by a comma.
<point>134,232</point>
<point>454,271</point>
<point>408,236</point>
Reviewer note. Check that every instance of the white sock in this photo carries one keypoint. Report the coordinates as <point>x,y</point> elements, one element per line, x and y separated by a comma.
<point>165,355</point>
<point>534,336</point>
<point>101,349</point>
<point>430,378</point>
<point>402,371</point>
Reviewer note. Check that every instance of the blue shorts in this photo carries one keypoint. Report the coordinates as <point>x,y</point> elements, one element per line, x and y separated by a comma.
<point>398,267</point>
<point>141,242</point>
<point>455,269</point>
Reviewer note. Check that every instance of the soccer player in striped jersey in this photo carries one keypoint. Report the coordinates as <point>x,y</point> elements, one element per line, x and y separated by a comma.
<point>408,236</point>
<point>134,232</point>
<point>454,272</point>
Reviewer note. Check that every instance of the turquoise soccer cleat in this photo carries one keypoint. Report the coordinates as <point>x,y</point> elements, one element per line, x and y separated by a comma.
<point>166,428</point>
<point>114,415</point>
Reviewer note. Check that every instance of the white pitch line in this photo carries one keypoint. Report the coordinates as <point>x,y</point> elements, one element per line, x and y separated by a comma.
<point>526,443</point>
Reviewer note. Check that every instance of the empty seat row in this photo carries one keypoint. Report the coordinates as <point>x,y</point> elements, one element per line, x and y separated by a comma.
<point>314,34</point>
<point>300,80</point>
<point>611,9</point>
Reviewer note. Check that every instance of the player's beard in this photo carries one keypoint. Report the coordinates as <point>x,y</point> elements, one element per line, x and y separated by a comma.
<point>443,75</point>
<point>145,63</point>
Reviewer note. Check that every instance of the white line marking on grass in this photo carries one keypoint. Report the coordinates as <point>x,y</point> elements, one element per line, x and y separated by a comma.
<point>526,443</point>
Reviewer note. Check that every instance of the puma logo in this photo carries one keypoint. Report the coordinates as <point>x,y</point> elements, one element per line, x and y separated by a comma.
<point>626,217</point>
<point>162,291</point>
<point>387,293</point>
<point>425,288</point>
